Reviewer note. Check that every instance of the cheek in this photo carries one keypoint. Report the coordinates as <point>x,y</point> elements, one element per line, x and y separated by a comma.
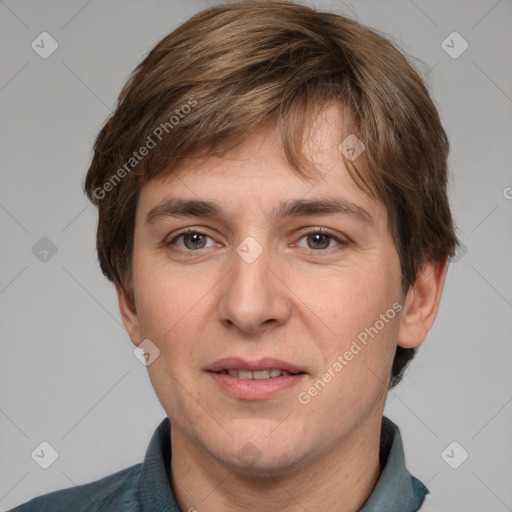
<point>357,335</point>
<point>173,311</point>
<point>163,296</point>
<point>170,311</point>
<point>349,300</point>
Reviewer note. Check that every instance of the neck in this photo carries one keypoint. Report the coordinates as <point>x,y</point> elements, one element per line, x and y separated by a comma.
<point>341,479</point>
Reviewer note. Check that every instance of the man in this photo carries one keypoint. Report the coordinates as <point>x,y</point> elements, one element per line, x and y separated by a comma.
<point>273,213</point>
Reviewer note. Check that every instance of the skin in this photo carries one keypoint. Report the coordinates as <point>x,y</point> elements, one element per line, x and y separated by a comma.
<point>302,300</point>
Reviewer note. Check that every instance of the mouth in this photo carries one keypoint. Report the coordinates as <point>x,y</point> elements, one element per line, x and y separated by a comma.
<point>257,379</point>
<point>264,368</point>
<point>271,373</point>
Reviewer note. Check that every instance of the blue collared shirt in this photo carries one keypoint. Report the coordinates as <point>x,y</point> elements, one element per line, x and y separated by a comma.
<point>145,487</point>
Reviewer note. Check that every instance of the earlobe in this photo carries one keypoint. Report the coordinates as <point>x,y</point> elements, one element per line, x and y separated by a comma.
<point>421,304</point>
<point>128,315</point>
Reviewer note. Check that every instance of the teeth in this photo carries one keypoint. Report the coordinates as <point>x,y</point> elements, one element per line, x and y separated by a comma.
<point>261,374</point>
<point>244,374</point>
<point>257,375</point>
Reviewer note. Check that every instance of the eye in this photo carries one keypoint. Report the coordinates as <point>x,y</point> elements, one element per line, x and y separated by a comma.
<point>191,240</point>
<point>320,240</point>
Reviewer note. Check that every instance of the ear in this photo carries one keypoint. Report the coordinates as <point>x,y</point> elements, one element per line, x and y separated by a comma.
<point>421,304</point>
<point>128,315</point>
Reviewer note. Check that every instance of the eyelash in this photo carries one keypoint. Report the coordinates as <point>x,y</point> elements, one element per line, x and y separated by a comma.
<point>315,231</point>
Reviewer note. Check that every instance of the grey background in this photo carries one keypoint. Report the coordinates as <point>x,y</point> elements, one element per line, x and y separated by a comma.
<point>68,375</point>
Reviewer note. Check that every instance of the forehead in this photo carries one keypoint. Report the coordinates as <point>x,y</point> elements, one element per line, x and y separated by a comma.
<point>256,175</point>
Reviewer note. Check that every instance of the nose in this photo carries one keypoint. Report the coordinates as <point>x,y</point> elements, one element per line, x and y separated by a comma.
<point>253,297</point>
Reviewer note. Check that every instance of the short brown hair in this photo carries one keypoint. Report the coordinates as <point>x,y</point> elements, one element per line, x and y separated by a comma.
<point>216,78</point>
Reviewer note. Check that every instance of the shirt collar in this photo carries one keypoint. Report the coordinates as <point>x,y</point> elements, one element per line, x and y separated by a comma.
<point>396,490</point>
<point>154,488</point>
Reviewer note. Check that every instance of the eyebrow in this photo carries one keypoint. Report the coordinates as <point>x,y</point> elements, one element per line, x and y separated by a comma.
<point>292,208</point>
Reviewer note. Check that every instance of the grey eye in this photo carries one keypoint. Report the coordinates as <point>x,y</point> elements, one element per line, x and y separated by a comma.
<point>192,241</point>
<point>319,241</point>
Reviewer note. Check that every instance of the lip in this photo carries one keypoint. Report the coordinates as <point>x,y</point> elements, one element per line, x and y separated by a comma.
<point>236,363</point>
<point>265,389</point>
<point>253,389</point>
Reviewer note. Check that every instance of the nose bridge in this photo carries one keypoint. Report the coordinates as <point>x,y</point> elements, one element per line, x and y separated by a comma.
<point>251,295</point>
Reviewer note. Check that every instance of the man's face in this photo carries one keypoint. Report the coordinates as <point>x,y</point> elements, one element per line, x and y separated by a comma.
<point>252,284</point>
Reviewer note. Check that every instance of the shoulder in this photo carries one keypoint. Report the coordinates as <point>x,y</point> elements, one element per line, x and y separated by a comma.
<point>118,491</point>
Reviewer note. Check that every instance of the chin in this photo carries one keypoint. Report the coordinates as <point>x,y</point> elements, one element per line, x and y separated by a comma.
<point>264,465</point>
<point>261,456</point>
